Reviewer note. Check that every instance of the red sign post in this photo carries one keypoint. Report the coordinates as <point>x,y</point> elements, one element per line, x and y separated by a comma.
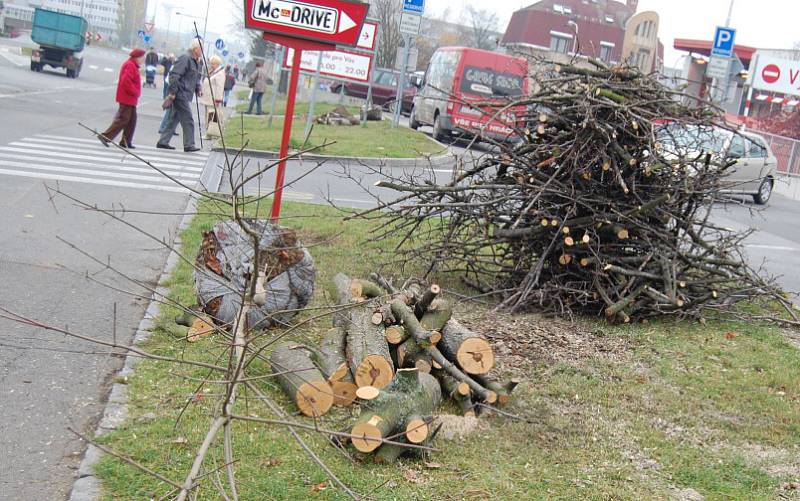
<point>318,25</point>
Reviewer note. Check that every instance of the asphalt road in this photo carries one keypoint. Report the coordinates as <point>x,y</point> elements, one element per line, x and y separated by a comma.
<point>49,382</point>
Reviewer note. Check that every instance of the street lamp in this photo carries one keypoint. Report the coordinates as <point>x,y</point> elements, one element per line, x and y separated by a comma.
<point>575,40</point>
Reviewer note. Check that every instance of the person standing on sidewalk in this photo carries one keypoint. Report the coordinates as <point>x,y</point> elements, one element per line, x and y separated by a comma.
<point>166,62</point>
<point>184,83</point>
<point>211,97</point>
<point>230,83</point>
<point>129,88</point>
<point>258,82</point>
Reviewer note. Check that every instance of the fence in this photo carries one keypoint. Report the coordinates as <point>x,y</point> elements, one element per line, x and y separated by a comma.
<point>786,150</point>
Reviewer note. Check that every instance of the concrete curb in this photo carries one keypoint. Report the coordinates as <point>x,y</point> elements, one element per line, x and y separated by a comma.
<point>87,487</point>
<point>435,161</point>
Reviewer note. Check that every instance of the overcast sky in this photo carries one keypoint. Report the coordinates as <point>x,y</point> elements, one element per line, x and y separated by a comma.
<point>759,23</point>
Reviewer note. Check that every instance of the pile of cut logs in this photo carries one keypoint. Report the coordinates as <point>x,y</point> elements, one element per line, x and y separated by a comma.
<point>397,354</point>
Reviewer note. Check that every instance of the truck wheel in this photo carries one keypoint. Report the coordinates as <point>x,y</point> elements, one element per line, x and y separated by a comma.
<point>438,133</point>
<point>412,119</point>
<point>70,73</point>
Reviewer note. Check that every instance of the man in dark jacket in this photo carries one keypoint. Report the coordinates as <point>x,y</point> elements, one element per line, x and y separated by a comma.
<point>184,83</point>
<point>152,58</point>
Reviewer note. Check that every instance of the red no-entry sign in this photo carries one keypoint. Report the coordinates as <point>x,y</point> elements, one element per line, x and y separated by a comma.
<point>308,25</point>
<point>771,73</point>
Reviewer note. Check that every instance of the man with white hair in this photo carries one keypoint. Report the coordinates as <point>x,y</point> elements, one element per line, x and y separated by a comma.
<point>184,83</point>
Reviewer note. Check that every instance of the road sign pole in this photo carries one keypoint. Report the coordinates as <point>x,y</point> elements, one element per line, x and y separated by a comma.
<point>401,82</point>
<point>276,83</point>
<point>315,84</point>
<point>287,133</point>
<point>368,107</point>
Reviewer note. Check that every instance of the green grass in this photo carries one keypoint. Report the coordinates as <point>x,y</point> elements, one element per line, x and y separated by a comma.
<point>376,139</point>
<point>647,412</point>
<point>300,108</point>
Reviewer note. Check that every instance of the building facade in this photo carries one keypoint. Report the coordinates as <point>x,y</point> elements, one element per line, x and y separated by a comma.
<point>608,30</point>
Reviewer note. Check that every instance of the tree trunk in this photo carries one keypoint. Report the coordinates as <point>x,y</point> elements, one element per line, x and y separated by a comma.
<point>436,315</point>
<point>471,352</point>
<point>300,379</point>
<point>332,361</point>
<point>410,394</point>
<point>503,390</point>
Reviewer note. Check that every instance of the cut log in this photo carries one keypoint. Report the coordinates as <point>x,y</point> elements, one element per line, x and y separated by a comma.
<point>366,348</point>
<point>405,315</point>
<point>332,361</point>
<point>503,390</point>
<point>457,390</point>
<point>416,430</point>
<point>410,355</point>
<point>383,282</point>
<point>395,334</point>
<point>436,316</point>
<point>410,394</point>
<point>425,301</point>
<point>365,288</point>
<point>300,379</point>
<point>470,351</point>
<point>487,396</point>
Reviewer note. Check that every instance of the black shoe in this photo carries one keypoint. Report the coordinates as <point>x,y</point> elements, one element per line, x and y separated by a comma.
<point>164,146</point>
<point>175,134</point>
<point>103,140</point>
<point>190,149</point>
<point>129,147</point>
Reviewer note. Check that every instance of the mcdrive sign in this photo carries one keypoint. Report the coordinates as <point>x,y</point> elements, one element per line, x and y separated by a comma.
<point>329,21</point>
<point>777,75</point>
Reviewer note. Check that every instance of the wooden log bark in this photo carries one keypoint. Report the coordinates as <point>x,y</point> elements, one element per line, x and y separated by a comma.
<point>410,394</point>
<point>395,334</point>
<point>366,348</point>
<point>436,315</point>
<point>471,352</point>
<point>425,301</point>
<point>300,379</point>
<point>405,315</point>
<point>457,390</point>
<point>503,390</point>
<point>332,361</point>
<point>365,288</point>
<point>410,355</point>
<point>479,391</point>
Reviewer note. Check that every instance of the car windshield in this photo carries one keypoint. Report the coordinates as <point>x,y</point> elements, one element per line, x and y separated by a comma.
<point>491,83</point>
<point>682,139</point>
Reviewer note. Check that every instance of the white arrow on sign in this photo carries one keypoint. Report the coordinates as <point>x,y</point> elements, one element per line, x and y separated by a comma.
<point>346,23</point>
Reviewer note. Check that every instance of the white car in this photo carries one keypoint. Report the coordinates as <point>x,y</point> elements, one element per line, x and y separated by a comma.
<point>752,174</point>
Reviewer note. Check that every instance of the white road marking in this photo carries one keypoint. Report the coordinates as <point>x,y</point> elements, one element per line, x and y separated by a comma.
<point>121,184</point>
<point>773,247</point>
<point>37,149</point>
<point>108,70</point>
<point>56,90</point>
<point>297,196</point>
<point>93,67</point>
<point>67,170</point>
<point>94,142</point>
<point>115,166</point>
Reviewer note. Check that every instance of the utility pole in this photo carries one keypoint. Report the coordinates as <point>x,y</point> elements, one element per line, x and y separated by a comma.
<point>205,25</point>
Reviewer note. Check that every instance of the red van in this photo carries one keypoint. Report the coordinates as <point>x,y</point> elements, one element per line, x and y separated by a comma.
<point>457,76</point>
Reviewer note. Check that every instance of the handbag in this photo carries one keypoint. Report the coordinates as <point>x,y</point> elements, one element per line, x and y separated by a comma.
<point>213,128</point>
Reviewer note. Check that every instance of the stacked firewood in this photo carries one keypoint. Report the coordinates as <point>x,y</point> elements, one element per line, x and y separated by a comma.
<point>594,210</point>
<point>396,354</point>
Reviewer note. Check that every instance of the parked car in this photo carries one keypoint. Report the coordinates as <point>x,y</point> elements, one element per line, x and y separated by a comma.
<point>384,88</point>
<point>459,76</point>
<point>754,167</point>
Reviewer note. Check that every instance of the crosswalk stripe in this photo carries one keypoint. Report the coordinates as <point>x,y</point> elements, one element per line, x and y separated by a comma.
<point>122,159</point>
<point>91,180</point>
<point>105,167</point>
<point>107,153</point>
<point>93,142</point>
<point>69,170</point>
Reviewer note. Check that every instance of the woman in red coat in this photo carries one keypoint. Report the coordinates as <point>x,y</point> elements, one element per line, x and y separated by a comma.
<point>129,89</point>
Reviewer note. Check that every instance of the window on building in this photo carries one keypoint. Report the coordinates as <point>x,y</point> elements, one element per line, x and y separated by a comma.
<point>609,19</point>
<point>558,8</point>
<point>606,49</point>
<point>559,43</point>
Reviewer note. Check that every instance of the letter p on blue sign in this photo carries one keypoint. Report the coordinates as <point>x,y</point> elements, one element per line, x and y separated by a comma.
<point>723,42</point>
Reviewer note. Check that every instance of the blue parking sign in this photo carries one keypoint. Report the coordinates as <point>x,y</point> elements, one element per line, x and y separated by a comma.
<point>414,6</point>
<point>724,39</point>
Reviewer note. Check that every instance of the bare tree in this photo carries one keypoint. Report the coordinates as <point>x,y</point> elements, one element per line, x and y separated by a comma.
<point>387,13</point>
<point>483,25</point>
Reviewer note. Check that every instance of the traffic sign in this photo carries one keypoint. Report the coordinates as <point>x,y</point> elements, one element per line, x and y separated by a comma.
<point>241,55</point>
<point>723,42</point>
<point>414,6</point>
<point>366,40</point>
<point>141,34</point>
<point>336,22</point>
<point>719,67</point>
<point>225,53</point>
<point>219,44</point>
<point>771,73</point>
<point>410,24</point>
<point>148,27</point>
<point>146,38</point>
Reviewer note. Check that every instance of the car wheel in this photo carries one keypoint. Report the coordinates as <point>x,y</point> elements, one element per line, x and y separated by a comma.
<point>412,119</point>
<point>438,133</point>
<point>764,192</point>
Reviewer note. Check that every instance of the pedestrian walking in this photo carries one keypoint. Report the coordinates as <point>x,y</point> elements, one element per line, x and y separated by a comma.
<point>211,96</point>
<point>129,88</point>
<point>184,83</point>
<point>230,83</point>
<point>258,82</point>
<point>166,62</point>
<point>236,71</point>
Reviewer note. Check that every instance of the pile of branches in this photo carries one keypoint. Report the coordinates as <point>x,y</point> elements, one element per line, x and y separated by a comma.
<point>591,211</point>
<point>398,354</point>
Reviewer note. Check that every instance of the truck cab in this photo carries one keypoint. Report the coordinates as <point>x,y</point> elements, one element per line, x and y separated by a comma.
<point>61,40</point>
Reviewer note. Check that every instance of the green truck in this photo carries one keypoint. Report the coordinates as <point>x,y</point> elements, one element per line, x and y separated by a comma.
<point>61,39</point>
